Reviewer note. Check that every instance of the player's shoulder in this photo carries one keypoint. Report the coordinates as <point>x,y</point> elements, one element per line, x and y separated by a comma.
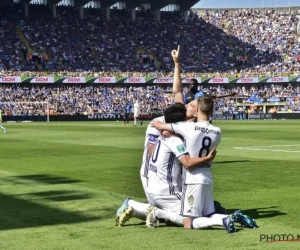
<point>206,127</point>
<point>160,118</point>
<point>153,130</point>
<point>183,123</point>
<point>172,140</point>
<point>215,128</point>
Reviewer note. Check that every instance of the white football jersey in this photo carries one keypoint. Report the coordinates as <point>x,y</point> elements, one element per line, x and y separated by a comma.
<point>152,135</point>
<point>136,107</point>
<point>200,138</point>
<point>165,169</point>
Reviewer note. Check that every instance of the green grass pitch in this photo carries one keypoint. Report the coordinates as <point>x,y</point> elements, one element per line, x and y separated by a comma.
<point>61,183</point>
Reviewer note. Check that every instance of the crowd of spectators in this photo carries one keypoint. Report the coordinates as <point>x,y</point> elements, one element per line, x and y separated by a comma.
<point>237,43</point>
<point>82,99</point>
<point>249,42</point>
<point>17,100</point>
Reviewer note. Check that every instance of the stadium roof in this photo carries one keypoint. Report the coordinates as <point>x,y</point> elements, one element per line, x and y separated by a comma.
<point>131,4</point>
<point>155,4</point>
<point>159,4</point>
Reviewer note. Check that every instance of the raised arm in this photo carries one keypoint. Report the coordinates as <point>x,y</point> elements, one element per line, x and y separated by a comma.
<point>189,162</point>
<point>177,84</point>
<point>222,96</point>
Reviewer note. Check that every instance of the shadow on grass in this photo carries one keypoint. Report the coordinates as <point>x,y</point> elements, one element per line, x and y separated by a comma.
<point>162,224</point>
<point>62,195</point>
<point>228,162</point>
<point>46,179</point>
<point>19,213</point>
<point>257,213</point>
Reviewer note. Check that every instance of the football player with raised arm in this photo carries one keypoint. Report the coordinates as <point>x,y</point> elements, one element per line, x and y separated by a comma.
<point>130,207</point>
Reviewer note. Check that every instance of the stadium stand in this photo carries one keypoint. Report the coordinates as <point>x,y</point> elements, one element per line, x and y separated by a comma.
<point>254,42</point>
<point>100,99</point>
<point>221,43</point>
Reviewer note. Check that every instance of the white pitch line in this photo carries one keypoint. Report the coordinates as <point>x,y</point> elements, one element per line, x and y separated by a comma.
<point>263,149</point>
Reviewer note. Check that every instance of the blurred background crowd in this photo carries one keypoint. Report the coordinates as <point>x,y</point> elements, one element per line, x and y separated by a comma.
<point>248,42</point>
<point>98,99</point>
<point>221,43</point>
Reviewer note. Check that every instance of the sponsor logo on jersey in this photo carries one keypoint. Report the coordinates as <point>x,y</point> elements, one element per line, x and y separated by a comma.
<point>180,148</point>
<point>207,130</point>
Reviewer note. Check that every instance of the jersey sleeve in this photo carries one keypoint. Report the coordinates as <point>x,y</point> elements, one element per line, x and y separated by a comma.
<point>176,145</point>
<point>152,134</point>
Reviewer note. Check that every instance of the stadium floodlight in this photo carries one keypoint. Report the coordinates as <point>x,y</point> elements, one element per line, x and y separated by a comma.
<point>26,109</point>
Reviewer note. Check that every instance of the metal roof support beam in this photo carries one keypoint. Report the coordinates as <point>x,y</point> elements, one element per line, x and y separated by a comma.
<point>54,10</point>
<point>107,12</point>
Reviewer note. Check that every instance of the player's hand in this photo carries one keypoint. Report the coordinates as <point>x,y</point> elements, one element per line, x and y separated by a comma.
<point>212,153</point>
<point>176,54</point>
<point>155,123</point>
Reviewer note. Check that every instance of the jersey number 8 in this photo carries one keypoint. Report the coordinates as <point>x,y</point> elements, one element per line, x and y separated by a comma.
<point>206,143</point>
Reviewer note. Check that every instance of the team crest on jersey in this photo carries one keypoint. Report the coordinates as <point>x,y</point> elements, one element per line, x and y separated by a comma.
<point>180,148</point>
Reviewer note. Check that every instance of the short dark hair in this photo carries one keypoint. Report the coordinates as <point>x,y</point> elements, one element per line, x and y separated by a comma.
<point>194,81</point>
<point>175,113</point>
<point>206,104</point>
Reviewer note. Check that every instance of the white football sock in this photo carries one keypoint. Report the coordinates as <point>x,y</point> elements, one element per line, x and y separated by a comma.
<point>204,222</point>
<point>170,216</point>
<point>140,209</point>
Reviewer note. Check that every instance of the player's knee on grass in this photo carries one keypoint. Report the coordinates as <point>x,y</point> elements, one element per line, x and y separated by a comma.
<point>187,223</point>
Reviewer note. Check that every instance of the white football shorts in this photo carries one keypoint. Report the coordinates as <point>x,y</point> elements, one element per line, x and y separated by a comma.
<point>170,203</point>
<point>145,185</point>
<point>197,200</point>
